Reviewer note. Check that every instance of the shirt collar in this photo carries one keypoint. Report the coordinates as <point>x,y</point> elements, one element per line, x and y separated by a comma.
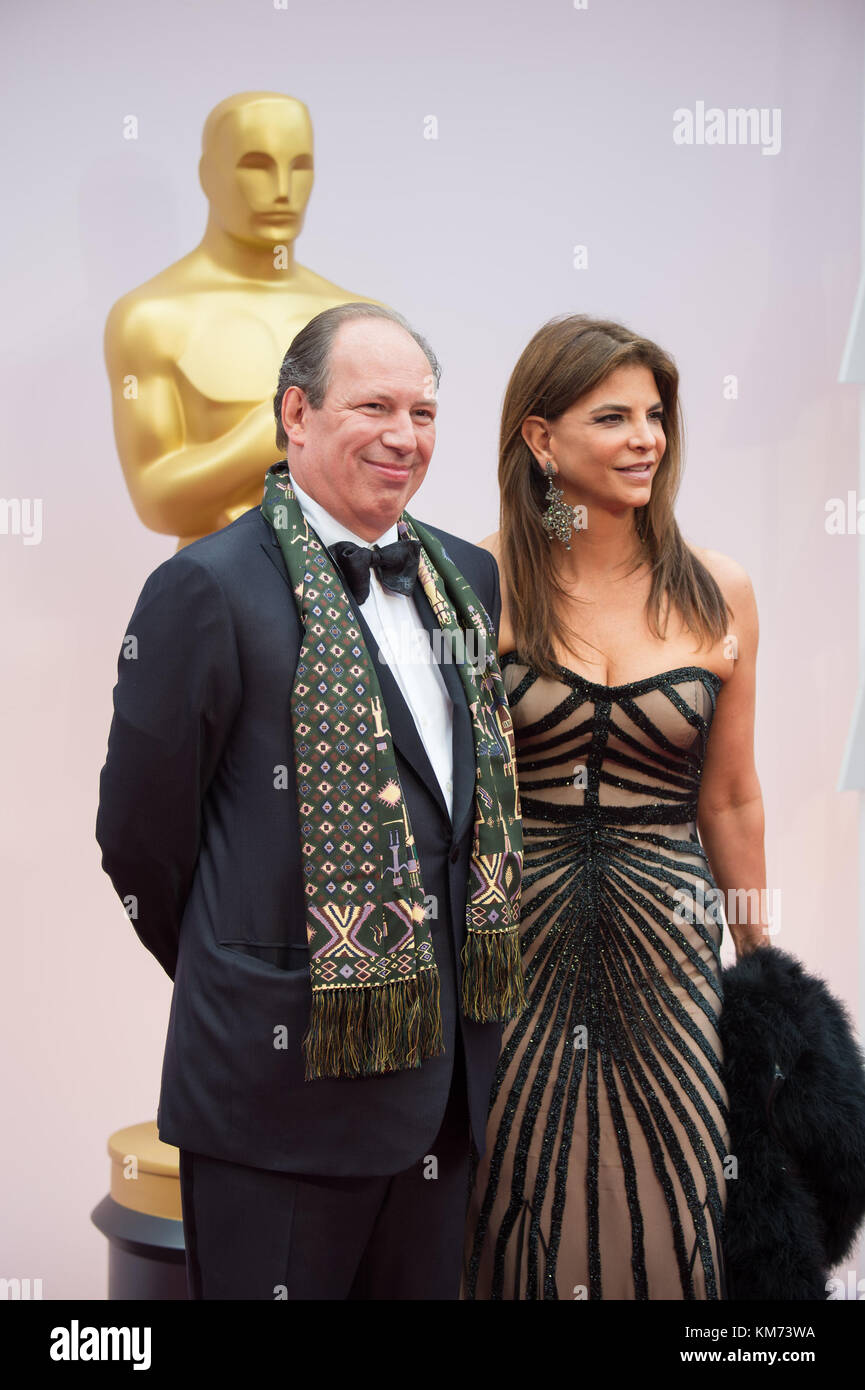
<point>328,528</point>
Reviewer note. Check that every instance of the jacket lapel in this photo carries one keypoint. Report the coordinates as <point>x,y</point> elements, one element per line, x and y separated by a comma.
<point>464,775</point>
<point>402,726</point>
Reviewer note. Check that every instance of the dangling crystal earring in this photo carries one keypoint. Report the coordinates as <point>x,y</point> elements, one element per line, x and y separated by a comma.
<point>558,519</point>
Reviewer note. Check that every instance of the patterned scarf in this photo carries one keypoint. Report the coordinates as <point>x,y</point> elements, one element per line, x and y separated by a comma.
<point>375,984</point>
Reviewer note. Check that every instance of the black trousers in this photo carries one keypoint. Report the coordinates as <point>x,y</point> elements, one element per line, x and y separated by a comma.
<point>254,1233</point>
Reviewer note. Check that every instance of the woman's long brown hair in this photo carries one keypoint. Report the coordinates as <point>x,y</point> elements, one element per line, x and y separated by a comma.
<point>569,356</point>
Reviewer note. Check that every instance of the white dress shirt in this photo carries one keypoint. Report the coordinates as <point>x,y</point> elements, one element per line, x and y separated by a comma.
<point>404,642</point>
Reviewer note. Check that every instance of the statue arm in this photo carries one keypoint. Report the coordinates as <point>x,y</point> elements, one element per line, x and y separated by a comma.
<point>177,488</point>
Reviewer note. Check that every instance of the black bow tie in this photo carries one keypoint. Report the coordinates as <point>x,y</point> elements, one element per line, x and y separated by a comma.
<point>395,565</point>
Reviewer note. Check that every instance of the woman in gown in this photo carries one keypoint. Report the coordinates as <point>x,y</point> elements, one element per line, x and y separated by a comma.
<point>606,1156</point>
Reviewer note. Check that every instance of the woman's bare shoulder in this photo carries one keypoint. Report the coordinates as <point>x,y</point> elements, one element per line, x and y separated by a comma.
<point>492,544</point>
<point>732,578</point>
<point>743,634</point>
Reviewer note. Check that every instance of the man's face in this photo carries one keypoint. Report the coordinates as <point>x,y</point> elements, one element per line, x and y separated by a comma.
<point>365,453</point>
<point>257,171</point>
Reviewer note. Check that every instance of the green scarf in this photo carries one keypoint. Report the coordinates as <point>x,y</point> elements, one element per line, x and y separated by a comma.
<point>375,984</point>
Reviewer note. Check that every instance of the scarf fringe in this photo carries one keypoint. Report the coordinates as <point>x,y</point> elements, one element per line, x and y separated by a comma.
<point>493,985</point>
<point>361,1031</point>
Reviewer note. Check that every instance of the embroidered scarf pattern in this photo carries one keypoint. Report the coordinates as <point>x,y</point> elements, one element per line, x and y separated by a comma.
<point>375,984</point>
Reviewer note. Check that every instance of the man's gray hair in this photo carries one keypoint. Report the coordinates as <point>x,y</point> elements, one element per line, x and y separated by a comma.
<point>307,362</point>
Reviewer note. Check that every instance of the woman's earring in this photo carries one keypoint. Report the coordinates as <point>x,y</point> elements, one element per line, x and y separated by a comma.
<point>558,519</point>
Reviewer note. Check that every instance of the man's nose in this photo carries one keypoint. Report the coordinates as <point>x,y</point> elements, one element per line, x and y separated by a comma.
<point>399,431</point>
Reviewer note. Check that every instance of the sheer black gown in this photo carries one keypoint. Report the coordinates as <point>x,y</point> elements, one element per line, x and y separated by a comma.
<point>604,1175</point>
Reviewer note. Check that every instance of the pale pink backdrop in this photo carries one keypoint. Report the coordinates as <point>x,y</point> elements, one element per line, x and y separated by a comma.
<point>554,129</point>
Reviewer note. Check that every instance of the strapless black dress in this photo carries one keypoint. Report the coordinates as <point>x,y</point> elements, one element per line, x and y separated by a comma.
<point>607,1141</point>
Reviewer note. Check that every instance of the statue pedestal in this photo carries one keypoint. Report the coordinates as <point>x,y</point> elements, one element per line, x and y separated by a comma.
<point>142,1218</point>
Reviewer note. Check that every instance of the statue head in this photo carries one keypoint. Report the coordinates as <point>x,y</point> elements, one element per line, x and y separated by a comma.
<point>256,166</point>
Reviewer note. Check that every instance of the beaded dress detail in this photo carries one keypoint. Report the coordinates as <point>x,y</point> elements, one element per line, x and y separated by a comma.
<point>604,1175</point>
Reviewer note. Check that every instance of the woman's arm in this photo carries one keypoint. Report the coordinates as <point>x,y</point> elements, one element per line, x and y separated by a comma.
<point>730,817</point>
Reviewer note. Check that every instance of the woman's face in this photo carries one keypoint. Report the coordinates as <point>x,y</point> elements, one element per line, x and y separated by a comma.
<point>607,447</point>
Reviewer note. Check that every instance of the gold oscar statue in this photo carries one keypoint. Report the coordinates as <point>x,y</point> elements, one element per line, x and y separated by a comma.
<point>193,355</point>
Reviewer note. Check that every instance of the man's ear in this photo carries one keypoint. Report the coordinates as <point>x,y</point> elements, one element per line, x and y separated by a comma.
<point>293,412</point>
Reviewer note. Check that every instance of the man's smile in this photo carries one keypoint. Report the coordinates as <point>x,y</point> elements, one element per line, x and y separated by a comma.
<point>398,471</point>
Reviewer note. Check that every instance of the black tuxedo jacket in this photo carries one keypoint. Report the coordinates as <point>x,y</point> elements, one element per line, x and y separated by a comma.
<point>200,837</point>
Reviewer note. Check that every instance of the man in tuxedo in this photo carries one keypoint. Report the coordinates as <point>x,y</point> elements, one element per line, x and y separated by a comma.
<point>344,1185</point>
